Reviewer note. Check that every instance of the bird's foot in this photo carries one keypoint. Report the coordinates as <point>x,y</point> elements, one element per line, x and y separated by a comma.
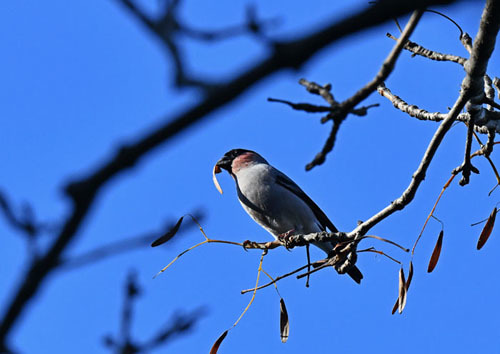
<point>285,237</point>
<point>247,244</point>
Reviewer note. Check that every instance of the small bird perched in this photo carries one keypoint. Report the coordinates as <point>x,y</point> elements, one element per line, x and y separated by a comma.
<point>274,201</point>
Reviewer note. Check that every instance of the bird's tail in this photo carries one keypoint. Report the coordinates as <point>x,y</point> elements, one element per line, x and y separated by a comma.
<point>355,274</point>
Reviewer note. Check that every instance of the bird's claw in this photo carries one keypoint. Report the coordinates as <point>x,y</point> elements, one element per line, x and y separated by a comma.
<point>285,238</point>
<point>246,245</point>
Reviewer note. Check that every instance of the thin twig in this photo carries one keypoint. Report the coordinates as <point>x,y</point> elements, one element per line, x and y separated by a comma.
<point>195,246</point>
<point>275,279</point>
<point>25,223</point>
<point>308,264</point>
<point>306,107</point>
<point>417,49</point>
<point>446,185</point>
<point>308,273</point>
<point>448,18</point>
<point>481,221</point>
<point>374,250</point>
<point>386,240</point>
<point>486,151</point>
<point>255,291</point>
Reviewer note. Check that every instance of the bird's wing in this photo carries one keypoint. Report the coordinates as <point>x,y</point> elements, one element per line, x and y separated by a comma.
<point>285,182</point>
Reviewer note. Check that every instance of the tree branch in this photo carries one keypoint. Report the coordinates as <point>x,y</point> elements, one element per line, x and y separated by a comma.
<point>125,344</point>
<point>472,86</point>
<point>26,224</point>
<point>492,120</point>
<point>417,49</point>
<point>346,106</point>
<point>82,192</point>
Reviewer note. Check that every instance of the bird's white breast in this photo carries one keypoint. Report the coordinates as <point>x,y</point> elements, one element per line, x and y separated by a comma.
<point>274,207</point>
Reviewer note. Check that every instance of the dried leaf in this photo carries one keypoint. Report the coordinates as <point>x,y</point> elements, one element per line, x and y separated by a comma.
<point>435,254</point>
<point>171,233</point>
<point>485,234</point>
<point>215,171</point>
<point>217,343</point>
<point>402,291</point>
<point>284,324</point>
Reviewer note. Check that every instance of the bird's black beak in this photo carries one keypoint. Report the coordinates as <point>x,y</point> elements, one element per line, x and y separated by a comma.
<point>225,163</point>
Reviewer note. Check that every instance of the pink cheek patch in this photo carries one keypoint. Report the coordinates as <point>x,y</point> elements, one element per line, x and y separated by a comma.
<point>242,161</point>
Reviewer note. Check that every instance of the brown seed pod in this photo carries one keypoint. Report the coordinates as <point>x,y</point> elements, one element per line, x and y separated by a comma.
<point>436,252</point>
<point>218,342</point>
<point>171,233</point>
<point>488,228</point>
<point>284,323</point>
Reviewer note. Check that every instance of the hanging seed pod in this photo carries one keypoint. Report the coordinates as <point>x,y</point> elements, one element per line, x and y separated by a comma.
<point>284,324</point>
<point>407,286</point>
<point>171,233</point>
<point>218,342</point>
<point>488,228</point>
<point>402,291</point>
<point>435,253</point>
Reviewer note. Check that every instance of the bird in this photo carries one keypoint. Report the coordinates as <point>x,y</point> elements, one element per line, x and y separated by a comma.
<point>274,201</point>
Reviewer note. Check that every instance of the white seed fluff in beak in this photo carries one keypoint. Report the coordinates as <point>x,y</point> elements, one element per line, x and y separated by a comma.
<point>215,171</point>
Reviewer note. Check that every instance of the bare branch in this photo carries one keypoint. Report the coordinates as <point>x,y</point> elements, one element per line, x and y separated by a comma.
<point>177,325</point>
<point>167,28</point>
<point>417,49</point>
<point>472,86</point>
<point>489,91</point>
<point>311,108</point>
<point>466,42</point>
<point>252,25</point>
<point>374,250</point>
<point>306,107</point>
<point>488,148</point>
<point>491,122</point>
<point>466,168</point>
<point>275,280</point>
<point>83,191</point>
<point>496,83</point>
<point>26,223</point>
<point>323,91</point>
<point>346,106</point>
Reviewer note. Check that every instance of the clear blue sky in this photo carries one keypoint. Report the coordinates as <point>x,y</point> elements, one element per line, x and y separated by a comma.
<point>80,78</point>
